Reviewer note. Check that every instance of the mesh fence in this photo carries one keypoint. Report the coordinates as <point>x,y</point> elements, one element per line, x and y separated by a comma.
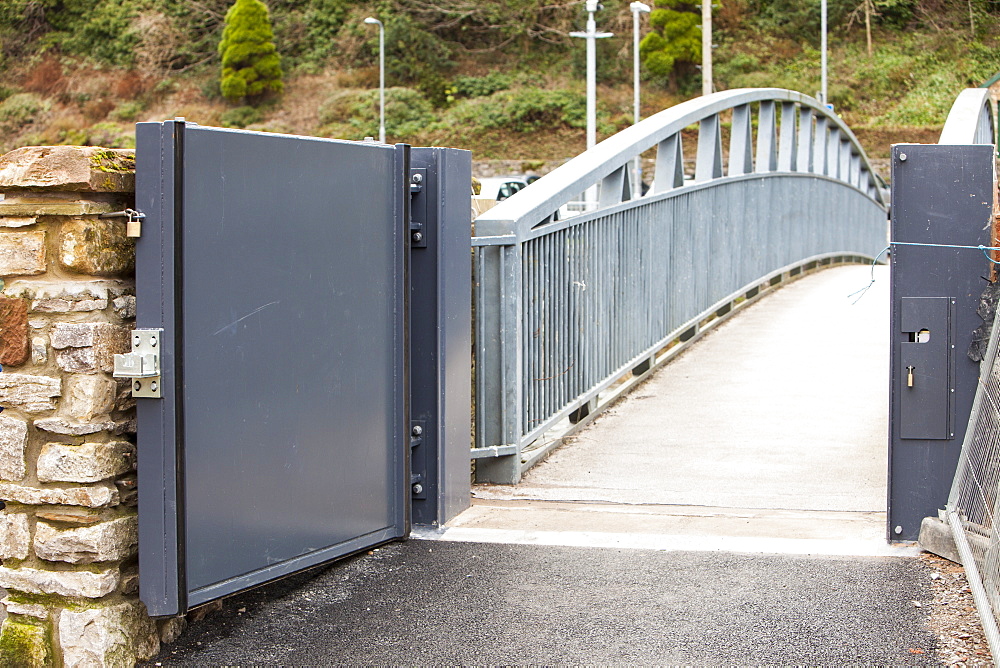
<point>973,512</point>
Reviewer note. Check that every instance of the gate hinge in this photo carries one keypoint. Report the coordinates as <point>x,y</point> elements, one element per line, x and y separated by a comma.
<point>133,223</point>
<point>142,365</point>
<point>418,489</point>
<point>418,207</point>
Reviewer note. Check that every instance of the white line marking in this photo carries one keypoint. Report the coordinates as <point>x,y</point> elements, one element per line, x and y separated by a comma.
<point>672,543</point>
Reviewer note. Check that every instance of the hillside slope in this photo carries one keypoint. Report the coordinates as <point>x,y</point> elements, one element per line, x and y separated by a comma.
<point>503,79</point>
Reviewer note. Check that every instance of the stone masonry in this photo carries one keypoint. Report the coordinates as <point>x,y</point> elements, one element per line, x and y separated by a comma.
<point>68,526</point>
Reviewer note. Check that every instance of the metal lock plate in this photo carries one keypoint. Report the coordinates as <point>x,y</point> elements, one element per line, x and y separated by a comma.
<point>142,365</point>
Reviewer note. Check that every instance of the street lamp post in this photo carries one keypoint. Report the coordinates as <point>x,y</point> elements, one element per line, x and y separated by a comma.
<point>706,47</point>
<point>823,50</point>
<point>381,76</point>
<point>591,35</point>
<point>637,8</point>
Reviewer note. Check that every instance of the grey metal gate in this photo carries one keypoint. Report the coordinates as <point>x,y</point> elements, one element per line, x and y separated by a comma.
<point>276,268</point>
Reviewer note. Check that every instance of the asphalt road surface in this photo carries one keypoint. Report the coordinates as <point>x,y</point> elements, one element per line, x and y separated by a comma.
<point>428,602</point>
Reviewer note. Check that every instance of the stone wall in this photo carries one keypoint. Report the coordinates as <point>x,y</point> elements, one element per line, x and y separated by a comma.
<point>68,531</point>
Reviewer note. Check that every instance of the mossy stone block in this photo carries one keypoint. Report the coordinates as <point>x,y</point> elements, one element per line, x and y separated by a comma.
<point>68,168</point>
<point>96,246</point>
<point>25,645</point>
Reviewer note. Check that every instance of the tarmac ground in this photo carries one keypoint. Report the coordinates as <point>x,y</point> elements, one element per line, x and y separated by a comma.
<point>450,603</point>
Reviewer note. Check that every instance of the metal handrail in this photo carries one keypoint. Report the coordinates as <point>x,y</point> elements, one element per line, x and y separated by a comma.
<point>566,307</point>
<point>971,119</point>
<point>607,163</point>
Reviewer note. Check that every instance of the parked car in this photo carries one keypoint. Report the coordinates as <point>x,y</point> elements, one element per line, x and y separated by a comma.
<point>501,187</point>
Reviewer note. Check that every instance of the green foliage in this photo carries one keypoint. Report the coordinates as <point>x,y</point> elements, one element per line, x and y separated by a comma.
<point>464,87</point>
<point>251,67</point>
<point>526,27</point>
<point>110,135</point>
<point>104,33</point>
<point>524,110</point>
<point>307,31</point>
<point>896,13</point>
<point>127,111</point>
<point>20,109</point>
<point>798,20</point>
<point>354,114</point>
<point>96,29</point>
<point>416,56</point>
<point>240,117</point>
<point>675,43</point>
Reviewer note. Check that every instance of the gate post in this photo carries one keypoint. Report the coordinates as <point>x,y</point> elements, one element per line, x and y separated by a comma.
<point>67,457</point>
<point>440,333</point>
<point>941,195</point>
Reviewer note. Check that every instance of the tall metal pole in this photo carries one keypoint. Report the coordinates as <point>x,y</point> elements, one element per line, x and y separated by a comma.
<point>706,47</point>
<point>637,8</point>
<point>823,50</point>
<point>591,35</point>
<point>381,77</point>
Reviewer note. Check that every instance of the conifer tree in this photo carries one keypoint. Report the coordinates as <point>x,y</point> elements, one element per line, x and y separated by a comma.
<point>251,67</point>
<point>672,48</point>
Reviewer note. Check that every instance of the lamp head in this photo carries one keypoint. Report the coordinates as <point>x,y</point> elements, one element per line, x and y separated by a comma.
<point>639,7</point>
<point>594,5</point>
<point>373,21</point>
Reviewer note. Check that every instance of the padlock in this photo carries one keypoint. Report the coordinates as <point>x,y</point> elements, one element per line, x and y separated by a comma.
<point>133,227</point>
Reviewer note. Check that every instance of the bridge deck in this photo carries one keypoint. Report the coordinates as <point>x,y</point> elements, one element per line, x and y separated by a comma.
<point>769,435</point>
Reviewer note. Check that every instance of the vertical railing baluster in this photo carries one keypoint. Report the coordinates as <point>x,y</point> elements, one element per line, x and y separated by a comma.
<point>545,369</point>
<point>845,159</point>
<point>804,161</point>
<point>741,142</point>
<point>669,170</point>
<point>833,153</point>
<point>819,145</point>
<point>708,164</point>
<point>767,160</point>
<point>612,187</point>
<point>564,357</point>
<point>787,153</point>
<point>534,331</point>
<point>855,169</point>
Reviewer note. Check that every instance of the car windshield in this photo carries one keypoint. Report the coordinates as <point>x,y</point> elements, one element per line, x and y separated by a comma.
<point>500,188</point>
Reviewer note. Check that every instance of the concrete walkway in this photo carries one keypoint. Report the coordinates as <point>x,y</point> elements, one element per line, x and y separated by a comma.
<point>729,512</point>
<point>768,436</point>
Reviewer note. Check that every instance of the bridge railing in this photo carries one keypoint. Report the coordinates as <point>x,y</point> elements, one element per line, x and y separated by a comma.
<point>567,308</point>
<point>973,509</point>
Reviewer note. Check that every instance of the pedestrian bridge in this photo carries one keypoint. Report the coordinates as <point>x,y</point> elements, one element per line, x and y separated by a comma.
<point>565,308</point>
<point>783,410</point>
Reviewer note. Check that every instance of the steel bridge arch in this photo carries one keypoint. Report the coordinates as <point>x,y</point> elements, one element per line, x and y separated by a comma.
<point>567,308</point>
